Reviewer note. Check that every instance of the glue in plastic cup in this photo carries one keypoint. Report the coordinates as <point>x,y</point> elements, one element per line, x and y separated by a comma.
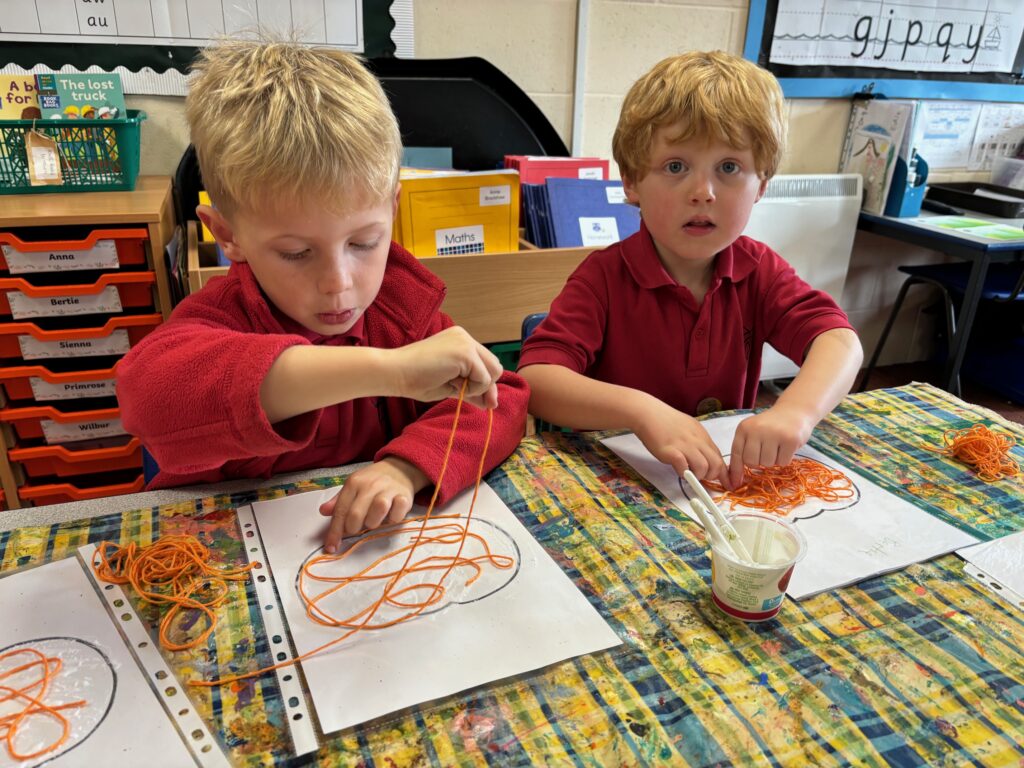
<point>755,592</point>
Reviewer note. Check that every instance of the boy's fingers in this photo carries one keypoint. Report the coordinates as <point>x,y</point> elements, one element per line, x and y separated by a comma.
<point>327,508</point>
<point>332,541</point>
<point>400,506</point>
<point>379,509</point>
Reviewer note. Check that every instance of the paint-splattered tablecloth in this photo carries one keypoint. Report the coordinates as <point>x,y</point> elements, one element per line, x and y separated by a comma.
<point>918,667</point>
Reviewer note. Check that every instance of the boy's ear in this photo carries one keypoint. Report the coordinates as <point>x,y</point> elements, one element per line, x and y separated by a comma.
<point>394,208</point>
<point>222,231</point>
<point>761,189</point>
<point>630,189</point>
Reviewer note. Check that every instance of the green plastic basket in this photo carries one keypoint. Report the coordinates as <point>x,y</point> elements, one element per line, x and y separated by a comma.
<point>95,155</point>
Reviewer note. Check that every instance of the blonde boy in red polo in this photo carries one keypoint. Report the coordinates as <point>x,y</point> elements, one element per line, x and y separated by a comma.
<point>669,323</point>
<point>325,344</point>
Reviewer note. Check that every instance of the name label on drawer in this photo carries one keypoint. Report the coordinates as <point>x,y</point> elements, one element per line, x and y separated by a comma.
<point>103,255</point>
<point>55,432</point>
<point>23,307</point>
<point>44,390</point>
<point>116,343</point>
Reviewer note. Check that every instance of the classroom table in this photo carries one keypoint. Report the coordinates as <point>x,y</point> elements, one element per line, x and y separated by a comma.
<point>923,666</point>
<point>981,252</point>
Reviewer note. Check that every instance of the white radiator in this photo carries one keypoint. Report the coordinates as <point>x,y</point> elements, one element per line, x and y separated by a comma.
<point>810,221</point>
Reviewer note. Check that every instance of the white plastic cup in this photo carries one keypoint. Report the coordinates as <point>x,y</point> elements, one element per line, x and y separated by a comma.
<point>755,592</point>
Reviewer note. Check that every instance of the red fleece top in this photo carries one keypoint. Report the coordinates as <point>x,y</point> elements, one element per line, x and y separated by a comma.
<point>190,390</point>
<point>621,318</point>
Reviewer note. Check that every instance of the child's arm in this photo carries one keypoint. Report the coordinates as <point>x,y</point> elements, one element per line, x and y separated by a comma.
<point>570,399</point>
<point>305,378</point>
<point>771,437</point>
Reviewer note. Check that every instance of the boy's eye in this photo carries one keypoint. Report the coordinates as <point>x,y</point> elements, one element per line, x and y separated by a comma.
<point>293,255</point>
<point>674,166</point>
<point>366,246</point>
<point>730,167</point>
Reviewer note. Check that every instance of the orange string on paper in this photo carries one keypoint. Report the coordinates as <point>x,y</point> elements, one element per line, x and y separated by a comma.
<point>390,594</point>
<point>782,489</point>
<point>27,699</point>
<point>987,450</point>
<point>174,571</point>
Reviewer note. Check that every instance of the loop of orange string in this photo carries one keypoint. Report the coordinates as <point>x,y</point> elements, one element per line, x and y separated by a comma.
<point>782,489</point>
<point>21,702</point>
<point>987,450</point>
<point>174,571</point>
<point>390,594</point>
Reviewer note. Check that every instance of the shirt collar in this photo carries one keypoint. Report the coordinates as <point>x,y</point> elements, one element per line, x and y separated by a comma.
<point>734,262</point>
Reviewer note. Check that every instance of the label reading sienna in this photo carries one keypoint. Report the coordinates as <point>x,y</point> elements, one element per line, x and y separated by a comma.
<point>103,255</point>
<point>55,432</point>
<point>117,343</point>
<point>71,390</point>
<point>22,306</point>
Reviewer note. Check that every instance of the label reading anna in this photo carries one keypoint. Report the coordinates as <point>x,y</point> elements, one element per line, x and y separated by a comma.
<point>22,306</point>
<point>103,255</point>
<point>497,195</point>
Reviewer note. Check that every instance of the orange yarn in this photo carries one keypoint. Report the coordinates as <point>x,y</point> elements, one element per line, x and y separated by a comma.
<point>29,696</point>
<point>781,489</point>
<point>389,594</point>
<point>984,449</point>
<point>173,570</point>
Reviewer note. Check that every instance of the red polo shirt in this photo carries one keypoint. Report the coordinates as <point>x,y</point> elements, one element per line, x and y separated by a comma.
<point>621,318</point>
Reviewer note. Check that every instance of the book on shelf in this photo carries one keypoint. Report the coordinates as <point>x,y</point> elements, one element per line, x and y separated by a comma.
<point>18,100</point>
<point>879,131</point>
<point>90,96</point>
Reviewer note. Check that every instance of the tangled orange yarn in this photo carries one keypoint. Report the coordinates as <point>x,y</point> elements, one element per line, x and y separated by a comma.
<point>781,489</point>
<point>984,449</point>
<point>23,701</point>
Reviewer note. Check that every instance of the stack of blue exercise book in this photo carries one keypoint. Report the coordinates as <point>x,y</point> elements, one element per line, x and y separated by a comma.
<point>570,213</point>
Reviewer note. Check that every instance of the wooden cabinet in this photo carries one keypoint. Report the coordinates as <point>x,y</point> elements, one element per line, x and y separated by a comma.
<point>82,279</point>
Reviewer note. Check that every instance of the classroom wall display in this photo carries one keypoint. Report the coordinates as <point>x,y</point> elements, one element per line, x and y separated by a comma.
<point>71,692</point>
<point>164,35</point>
<point>848,540</point>
<point>514,611</point>
<point>971,49</point>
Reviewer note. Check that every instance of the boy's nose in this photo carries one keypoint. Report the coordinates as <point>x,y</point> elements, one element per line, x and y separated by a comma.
<point>336,277</point>
<point>703,190</point>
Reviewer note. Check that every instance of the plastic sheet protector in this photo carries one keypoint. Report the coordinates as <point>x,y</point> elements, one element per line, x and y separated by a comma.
<point>847,541</point>
<point>54,611</point>
<point>508,621</point>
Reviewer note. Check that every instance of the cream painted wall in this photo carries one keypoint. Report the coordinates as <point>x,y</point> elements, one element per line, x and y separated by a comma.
<point>533,42</point>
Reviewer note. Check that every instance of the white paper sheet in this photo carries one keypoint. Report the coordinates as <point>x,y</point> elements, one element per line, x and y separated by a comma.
<point>847,541</point>
<point>509,621</point>
<point>1002,560</point>
<point>55,609</point>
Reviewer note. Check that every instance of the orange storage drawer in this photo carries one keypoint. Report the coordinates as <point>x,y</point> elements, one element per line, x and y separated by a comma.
<point>70,460</point>
<point>111,293</point>
<point>55,425</point>
<point>101,249</point>
<point>58,493</point>
<point>116,336</point>
<point>39,383</point>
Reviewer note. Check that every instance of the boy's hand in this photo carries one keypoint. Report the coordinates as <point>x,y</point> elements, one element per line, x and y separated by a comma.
<point>768,439</point>
<point>380,492</point>
<point>679,440</point>
<point>434,369</point>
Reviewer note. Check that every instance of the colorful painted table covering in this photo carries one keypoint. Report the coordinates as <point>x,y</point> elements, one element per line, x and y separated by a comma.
<point>919,667</point>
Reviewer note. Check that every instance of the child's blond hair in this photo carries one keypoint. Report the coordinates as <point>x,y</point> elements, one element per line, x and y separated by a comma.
<point>275,121</point>
<point>710,95</point>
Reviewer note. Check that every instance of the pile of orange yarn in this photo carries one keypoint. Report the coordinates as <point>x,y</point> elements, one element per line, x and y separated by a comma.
<point>26,701</point>
<point>984,449</point>
<point>173,570</point>
<point>782,489</point>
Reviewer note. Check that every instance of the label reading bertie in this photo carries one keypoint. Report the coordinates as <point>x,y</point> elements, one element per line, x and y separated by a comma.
<point>103,255</point>
<point>22,306</point>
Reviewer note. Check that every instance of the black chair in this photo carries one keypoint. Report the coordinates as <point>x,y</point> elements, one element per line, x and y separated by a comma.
<point>1003,283</point>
